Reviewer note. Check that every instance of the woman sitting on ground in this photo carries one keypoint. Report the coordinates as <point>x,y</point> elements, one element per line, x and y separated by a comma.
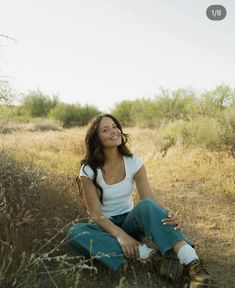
<point>114,231</point>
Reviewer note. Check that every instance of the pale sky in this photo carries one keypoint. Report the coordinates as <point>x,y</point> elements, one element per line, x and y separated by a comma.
<point>103,51</point>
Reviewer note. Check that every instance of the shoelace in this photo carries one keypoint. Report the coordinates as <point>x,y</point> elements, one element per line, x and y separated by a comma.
<point>199,267</point>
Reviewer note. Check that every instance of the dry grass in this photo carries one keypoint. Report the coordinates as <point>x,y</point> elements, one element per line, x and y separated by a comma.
<point>197,183</point>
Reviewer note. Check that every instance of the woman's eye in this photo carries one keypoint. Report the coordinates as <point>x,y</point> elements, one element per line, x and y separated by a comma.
<point>106,130</point>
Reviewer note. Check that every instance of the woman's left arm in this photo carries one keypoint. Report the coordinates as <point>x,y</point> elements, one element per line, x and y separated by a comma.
<point>144,190</point>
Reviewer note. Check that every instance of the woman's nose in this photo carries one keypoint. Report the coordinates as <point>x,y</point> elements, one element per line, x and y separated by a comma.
<point>113,131</point>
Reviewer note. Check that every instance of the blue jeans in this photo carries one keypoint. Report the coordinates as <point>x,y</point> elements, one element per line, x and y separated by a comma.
<point>144,219</point>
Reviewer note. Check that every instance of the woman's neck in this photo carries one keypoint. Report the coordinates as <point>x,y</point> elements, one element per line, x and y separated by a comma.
<point>112,155</point>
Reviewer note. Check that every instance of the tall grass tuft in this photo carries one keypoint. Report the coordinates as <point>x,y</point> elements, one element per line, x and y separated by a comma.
<point>33,223</point>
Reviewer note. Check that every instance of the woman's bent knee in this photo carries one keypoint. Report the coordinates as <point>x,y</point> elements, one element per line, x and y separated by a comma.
<point>77,230</point>
<point>147,202</point>
<point>149,205</point>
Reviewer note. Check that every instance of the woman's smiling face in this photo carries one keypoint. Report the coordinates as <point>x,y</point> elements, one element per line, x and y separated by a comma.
<point>109,134</point>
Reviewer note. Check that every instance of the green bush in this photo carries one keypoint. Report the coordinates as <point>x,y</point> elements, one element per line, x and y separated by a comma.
<point>204,131</point>
<point>36,104</point>
<point>87,112</point>
<point>66,114</point>
<point>228,117</point>
<point>166,107</point>
<point>73,114</point>
<point>140,112</point>
<point>169,106</point>
<point>220,97</point>
<point>178,104</point>
<point>122,111</point>
<point>145,113</point>
<point>208,132</point>
<point>7,112</point>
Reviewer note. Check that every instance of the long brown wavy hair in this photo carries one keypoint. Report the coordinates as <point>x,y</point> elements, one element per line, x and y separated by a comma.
<point>94,156</point>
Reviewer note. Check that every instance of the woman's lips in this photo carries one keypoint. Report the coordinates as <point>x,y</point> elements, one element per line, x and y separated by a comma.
<point>115,137</point>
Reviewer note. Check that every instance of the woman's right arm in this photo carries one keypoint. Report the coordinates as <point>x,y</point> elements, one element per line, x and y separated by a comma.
<point>128,244</point>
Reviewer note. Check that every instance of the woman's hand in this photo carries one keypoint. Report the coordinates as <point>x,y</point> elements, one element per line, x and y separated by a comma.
<point>129,246</point>
<point>172,219</point>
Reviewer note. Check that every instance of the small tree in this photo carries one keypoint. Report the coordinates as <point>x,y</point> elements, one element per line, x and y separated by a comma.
<point>7,109</point>
<point>177,104</point>
<point>87,113</point>
<point>6,94</point>
<point>145,113</point>
<point>73,114</point>
<point>122,111</point>
<point>36,104</point>
<point>219,98</point>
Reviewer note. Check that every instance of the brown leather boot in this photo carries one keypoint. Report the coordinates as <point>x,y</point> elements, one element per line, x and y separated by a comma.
<point>167,265</point>
<point>197,276</point>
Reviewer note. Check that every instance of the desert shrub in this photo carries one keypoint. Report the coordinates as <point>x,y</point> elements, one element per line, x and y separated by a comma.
<point>87,112</point>
<point>227,118</point>
<point>168,135</point>
<point>151,113</point>
<point>219,98</point>
<point>66,114</point>
<point>46,125</point>
<point>73,114</point>
<point>178,104</point>
<point>145,113</point>
<point>36,104</point>
<point>169,106</point>
<point>34,217</point>
<point>122,111</point>
<point>208,132</point>
<point>141,112</point>
<point>4,129</point>
<point>7,112</point>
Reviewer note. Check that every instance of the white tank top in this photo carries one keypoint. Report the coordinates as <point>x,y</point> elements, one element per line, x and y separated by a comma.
<point>117,198</point>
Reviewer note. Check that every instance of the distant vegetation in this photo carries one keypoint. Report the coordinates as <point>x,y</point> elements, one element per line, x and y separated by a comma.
<point>169,106</point>
<point>206,119</point>
<point>36,104</point>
